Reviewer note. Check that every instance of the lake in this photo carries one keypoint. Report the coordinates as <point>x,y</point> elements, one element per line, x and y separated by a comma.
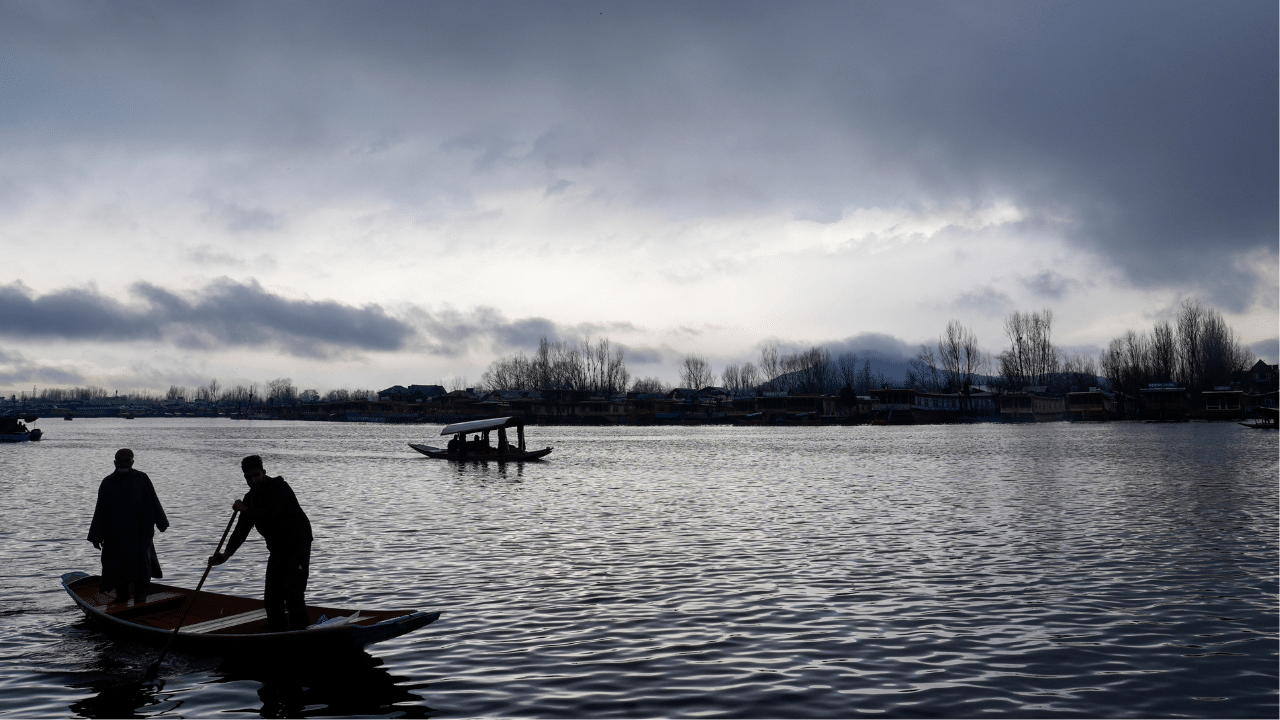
<point>1056,570</point>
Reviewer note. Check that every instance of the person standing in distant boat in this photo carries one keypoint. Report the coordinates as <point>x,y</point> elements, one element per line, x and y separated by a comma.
<point>124,523</point>
<point>271,506</point>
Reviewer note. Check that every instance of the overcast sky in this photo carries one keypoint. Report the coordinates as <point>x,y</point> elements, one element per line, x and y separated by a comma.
<point>363,194</point>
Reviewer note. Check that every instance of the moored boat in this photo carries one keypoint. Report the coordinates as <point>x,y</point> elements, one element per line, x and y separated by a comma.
<point>226,624</point>
<point>480,449</point>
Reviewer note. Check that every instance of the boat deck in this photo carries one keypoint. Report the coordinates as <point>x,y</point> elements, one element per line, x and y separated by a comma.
<point>211,613</point>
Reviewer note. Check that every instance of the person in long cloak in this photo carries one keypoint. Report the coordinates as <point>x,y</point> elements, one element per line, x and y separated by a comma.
<point>124,523</point>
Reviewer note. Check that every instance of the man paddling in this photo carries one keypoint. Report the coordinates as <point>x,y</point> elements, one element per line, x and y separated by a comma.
<point>271,506</point>
<point>124,522</point>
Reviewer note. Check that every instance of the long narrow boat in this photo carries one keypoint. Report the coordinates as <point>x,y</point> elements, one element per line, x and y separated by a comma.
<point>461,449</point>
<point>226,624</point>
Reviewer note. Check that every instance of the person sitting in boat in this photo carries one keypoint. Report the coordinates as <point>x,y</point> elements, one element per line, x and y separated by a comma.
<point>271,506</point>
<point>124,522</point>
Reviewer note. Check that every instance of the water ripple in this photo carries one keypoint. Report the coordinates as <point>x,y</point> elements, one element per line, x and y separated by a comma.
<point>1124,570</point>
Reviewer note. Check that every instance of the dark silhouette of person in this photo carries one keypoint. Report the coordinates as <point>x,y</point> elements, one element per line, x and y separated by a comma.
<point>124,522</point>
<point>273,509</point>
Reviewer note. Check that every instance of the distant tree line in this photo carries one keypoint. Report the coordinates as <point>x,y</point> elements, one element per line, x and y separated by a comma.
<point>1198,351</point>
<point>560,365</point>
<point>277,392</point>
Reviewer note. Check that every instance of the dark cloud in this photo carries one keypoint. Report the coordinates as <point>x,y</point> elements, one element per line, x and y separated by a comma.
<point>452,333</point>
<point>985,300</point>
<point>1144,132</point>
<point>643,355</point>
<point>224,313</point>
<point>16,369</point>
<point>1268,350</point>
<point>1049,284</point>
<point>871,345</point>
<point>209,255</point>
<point>236,218</point>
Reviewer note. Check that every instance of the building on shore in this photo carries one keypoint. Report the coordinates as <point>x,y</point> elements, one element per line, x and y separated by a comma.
<point>1093,404</point>
<point>1163,402</point>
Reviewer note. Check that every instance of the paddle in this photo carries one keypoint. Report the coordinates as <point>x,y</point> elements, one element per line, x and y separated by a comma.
<point>155,666</point>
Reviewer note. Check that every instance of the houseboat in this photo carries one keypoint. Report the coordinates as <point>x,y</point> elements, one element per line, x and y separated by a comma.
<point>892,406</point>
<point>1163,402</point>
<point>1223,403</point>
<point>1094,404</point>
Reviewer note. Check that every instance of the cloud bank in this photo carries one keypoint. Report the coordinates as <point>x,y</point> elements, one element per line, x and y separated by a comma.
<point>224,313</point>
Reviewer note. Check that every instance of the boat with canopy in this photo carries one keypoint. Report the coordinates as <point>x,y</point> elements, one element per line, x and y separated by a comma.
<point>480,448</point>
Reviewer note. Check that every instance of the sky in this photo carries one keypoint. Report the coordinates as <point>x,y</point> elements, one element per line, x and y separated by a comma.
<point>362,194</point>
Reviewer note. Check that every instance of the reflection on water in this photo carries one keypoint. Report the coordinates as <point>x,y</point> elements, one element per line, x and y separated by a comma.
<point>342,685</point>
<point>1109,570</point>
<point>348,685</point>
<point>120,699</point>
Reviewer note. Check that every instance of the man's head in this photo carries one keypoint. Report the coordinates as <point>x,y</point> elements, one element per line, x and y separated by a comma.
<point>252,467</point>
<point>124,459</point>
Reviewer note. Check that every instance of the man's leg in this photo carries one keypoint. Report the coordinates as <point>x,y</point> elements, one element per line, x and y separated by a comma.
<point>295,600</point>
<point>274,593</point>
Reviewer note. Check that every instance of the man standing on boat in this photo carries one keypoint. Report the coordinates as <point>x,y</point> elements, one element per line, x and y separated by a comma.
<point>124,522</point>
<point>271,506</point>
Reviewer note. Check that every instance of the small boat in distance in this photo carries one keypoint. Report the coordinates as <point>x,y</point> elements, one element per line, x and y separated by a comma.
<point>226,624</point>
<point>480,449</point>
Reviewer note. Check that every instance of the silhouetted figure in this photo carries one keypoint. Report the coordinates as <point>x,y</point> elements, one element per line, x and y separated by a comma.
<point>124,523</point>
<point>271,506</point>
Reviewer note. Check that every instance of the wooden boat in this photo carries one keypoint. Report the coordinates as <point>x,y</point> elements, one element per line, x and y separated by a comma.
<point>12,429</point>
<point>226,624</point>
<point>461,449</point>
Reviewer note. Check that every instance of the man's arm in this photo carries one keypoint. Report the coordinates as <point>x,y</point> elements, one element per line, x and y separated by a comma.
<point>162,520</point>
<point>243,526</point>
<point>97,528</point>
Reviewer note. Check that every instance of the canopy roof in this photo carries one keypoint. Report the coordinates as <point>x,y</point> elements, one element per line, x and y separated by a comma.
<point>479,425</point>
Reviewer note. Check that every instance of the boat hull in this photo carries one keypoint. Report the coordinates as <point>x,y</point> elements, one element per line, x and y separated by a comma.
<point>517,456</point>
<point>213,624</point>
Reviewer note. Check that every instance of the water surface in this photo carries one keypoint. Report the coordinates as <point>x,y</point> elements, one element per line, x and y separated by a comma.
<point>1082,570</point>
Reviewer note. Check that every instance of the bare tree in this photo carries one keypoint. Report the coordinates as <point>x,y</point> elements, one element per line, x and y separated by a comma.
<point>1031,358</point>
<point>847,370</point>
<point>1190,327</point>
<point>281,391</point>
<point>562,366</point>
<point>961,357</point>
<point>1208,350</point>
<point>176,392</point>
<point>748,377</point>
<point>922,370</point>
<point>731,378</point>
<point>695,372</point>
<point>865,380</point>
<point>769,366</point>
<point>649,386</point>
<point>1163,351</point>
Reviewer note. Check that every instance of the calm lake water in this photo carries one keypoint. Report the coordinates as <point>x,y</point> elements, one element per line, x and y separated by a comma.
<point>1074,570</point>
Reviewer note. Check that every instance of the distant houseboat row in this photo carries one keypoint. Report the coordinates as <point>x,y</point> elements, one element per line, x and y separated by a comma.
<point>1159,402</point>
